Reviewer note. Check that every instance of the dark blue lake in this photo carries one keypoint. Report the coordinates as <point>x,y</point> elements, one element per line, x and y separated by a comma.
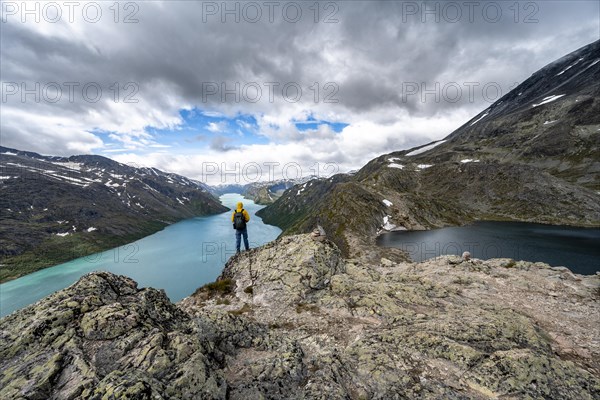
<point>178,259</point>
<point>575,248</point>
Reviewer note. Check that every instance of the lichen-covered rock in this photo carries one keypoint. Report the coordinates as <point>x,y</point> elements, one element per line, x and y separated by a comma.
<point>103,338</point>
<point>295,268</point>
<point>295,320</point>
<point>446,328</point>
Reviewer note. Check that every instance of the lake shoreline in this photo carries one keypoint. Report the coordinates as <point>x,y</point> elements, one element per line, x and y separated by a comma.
<point>178,258</point>
<point>468,223</point>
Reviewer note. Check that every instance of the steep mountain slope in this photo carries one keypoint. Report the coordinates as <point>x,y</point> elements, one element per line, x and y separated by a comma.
<point>56,208</point>
<point>551,121</point>
<point>539,142</point>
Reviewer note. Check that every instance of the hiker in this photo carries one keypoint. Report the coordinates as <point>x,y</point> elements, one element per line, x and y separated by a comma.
<point>240,218</point>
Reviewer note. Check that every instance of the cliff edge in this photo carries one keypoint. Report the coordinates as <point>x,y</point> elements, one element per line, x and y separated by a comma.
<point>295,320</point>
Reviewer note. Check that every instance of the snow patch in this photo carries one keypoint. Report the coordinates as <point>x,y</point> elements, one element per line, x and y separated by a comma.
<point>394,165</point>
<point>424,166</point>
<point>594,63</point>
<point>151,188</point>
<point>424,149</point>
<point>387,203</point>
<point>69,165</point>
<point>91,229</point>
<point>468,160</point>
<point>393,159</point>
<point>110,184</point>
<point>387,225</point>
<point>479,119</point>
<point>67,178</point>
<point>548,99</point>
<point>8,153</point>
<point>550,122</point>
<point>569,67</point>
<point>564,70</point>
<point>301,189</point>
<point>63,234</point>
<point>32,169</point>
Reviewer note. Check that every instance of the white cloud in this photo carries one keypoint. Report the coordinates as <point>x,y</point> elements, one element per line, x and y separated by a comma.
<point>217,126</point>
<point>321,152</point>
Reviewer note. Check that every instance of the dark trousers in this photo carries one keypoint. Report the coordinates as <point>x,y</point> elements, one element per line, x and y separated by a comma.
<point>238,234</point>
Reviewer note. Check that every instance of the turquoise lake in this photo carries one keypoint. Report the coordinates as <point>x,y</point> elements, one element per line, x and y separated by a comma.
<point>178,259</point>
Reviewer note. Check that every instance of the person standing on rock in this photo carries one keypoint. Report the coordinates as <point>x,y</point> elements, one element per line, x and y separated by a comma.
<point>240,219</point>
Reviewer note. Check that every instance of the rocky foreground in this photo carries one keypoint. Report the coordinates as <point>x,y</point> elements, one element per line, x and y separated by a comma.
<point>294,320</point>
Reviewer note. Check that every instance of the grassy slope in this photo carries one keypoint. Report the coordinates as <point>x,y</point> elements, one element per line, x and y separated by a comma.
<point>56,250</point>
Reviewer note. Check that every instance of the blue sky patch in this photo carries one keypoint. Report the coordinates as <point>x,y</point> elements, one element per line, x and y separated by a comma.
<point>201,130</point>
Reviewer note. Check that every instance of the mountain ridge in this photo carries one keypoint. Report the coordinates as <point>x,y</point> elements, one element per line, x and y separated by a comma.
<point>503,164</point>
<point>54,209</point>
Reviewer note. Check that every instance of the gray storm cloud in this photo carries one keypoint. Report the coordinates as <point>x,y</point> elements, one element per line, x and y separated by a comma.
<point>379,58</point>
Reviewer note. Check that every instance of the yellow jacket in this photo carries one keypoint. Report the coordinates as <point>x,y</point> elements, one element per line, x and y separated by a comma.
<point>240,207</point>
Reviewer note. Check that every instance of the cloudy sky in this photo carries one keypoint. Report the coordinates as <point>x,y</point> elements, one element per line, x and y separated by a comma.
<point>207,89</point>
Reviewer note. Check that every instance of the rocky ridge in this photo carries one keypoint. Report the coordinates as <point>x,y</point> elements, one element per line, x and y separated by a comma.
<point>295,319</point>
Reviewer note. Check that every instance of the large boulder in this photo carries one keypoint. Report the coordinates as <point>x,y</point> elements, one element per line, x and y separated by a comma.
<point>104,338</point>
